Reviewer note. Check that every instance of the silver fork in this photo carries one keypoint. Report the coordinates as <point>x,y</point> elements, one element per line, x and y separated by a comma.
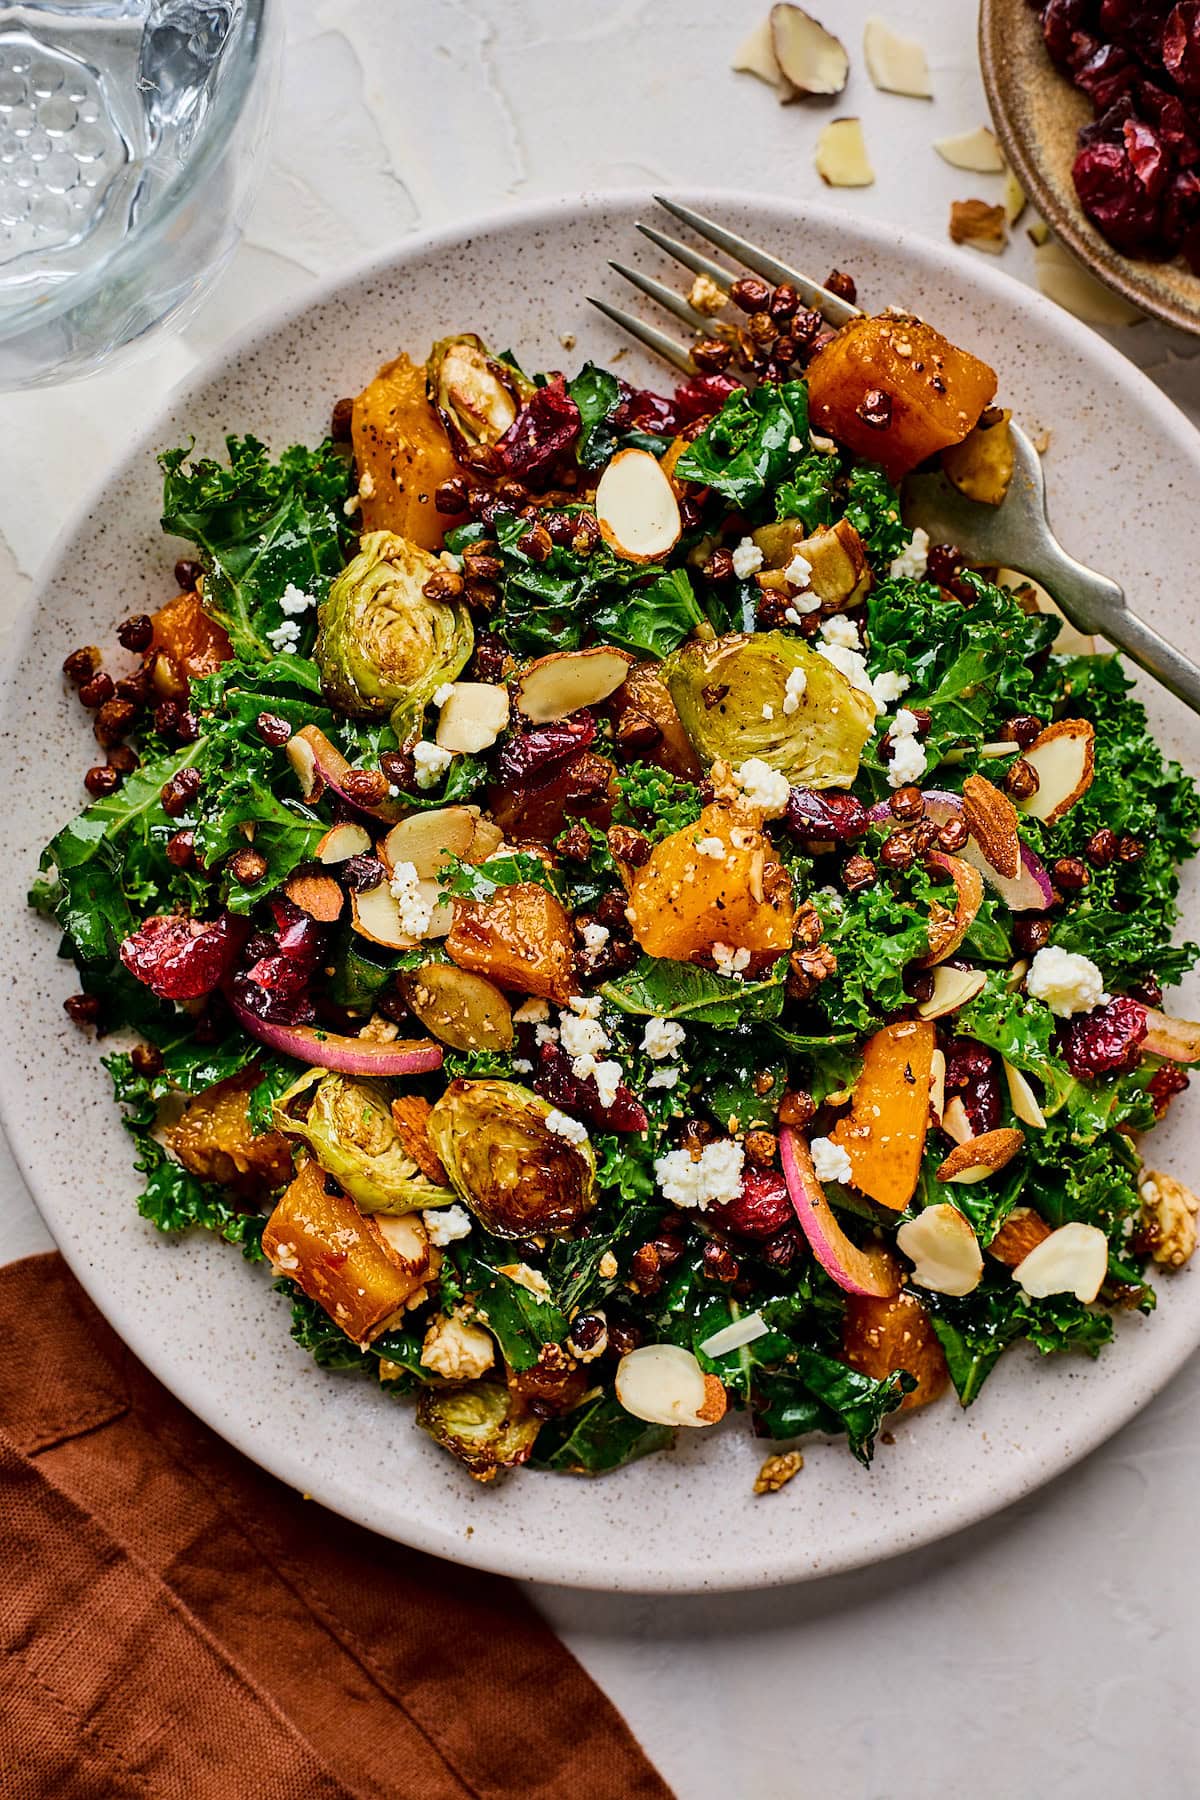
<point>1016,534</point>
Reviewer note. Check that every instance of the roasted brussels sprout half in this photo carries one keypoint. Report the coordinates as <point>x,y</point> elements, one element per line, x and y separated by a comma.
<point>477,395</point>
<point>516,1175</point>
<point>382,644</point>
<point>348,1127</point>
<point>735,702</point>
<point>478,1425</point>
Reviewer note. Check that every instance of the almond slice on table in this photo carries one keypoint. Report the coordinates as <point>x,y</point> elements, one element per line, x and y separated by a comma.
<point>1015,201</point>
<point>1062,279</point>
<point>341,842</point>
<point>952,988</point>
<point>555,686</point>
<point>636,507</point>
<point>991,819</point>
<point>841,158</point>
<point>430,840</point>
<point>755,55</point>
<point>1024,1101</point>
<point>896,64</point>
<point>1176,1039</point>
<point>811,60</point>
<point>1072,1260</point>
<point>975,150</point>
<point>472,717</point>
<point>1063,758</point>
<point>943,1249</point>
<point>981,1157</point>
<point>1021,1232</point>
<point>664,1384</point>
<point>978,224</point>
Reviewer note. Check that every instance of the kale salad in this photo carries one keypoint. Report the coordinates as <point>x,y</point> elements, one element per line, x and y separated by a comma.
<point>622,925</point>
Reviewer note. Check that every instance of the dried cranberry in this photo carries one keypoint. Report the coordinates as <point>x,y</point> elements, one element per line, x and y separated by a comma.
<point>972,1074</point>
<point>1115,199</point>
<point>275,985</point>
<point>1106,76</point>
<point>762,1206</point>
<point>541,431</point>
<point>180,958</point>
<point>702,395</point>
<point>825,816</point>
<point>1181,46</point>
<point>529,758</point>
<point>1165,1083</point>
<point>557,1082</point>
<point>1106,1041</point>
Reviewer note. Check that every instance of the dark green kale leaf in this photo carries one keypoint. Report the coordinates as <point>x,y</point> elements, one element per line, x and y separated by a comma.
<point>810,491</point>
<point>741,1075</point>
<point>975,1331</point>
<point>873,508</point>
<point>480,881</point>
<point>520,1320</point>
<point>597,394</point>
<point>654,801</point>
<point>744,450</point>
<point>875,934</point>
<point>813,1392</point>
<point>655,618</point>
<point>465,776</point>
<point>676,990</point>
<point>260,527</point>
<point>330,1348</point>
<point>598,1436</point>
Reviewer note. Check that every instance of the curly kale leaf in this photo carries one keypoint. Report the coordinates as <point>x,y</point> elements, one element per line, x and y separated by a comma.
<point>810,491</point>
<point>259,527</point>
<point>975,1331</point>
<point>654,801</point>
<point>873,508</point>
<point>745,450</point>
<point>875,934</point>
<point>598,1436</point>
<point>655,618</point>
<point>677,990</point>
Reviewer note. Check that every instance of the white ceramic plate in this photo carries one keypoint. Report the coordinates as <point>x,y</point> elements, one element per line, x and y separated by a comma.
<point>1124,473</point>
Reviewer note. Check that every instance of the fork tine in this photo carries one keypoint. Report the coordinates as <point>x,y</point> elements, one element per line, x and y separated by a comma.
<point>836,310</point>
<point>665,296</point>
<point>649,335</point>
<point>691,259</point>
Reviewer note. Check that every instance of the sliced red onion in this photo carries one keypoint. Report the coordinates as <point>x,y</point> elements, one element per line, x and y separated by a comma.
<point>347,1055</point>
<point>1030,890</point>
<point>854,1270</point>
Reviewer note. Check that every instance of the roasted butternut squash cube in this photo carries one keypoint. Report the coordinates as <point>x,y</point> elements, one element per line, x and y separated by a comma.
<point>361,1270</point>
<point>521,938</point>
<point>934,391</point>
<point>186,645</point>
<point>403,454</point>
<point>883,1134</point>
<point>715,882</point>
<point>880,1336</point>
<point>212,1138</point>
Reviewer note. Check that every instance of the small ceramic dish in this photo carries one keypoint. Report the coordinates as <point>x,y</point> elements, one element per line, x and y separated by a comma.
<point>1037,114</point>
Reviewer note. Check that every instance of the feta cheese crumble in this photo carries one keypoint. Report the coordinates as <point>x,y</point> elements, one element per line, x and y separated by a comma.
<point>747,559</point>
<point>446,1224</point>
<point>912,560</point>
<point>888,686</point>
<point>768,711</point>
<point>711,846</point>
<point>430,762</point>
<point>663,1078</point>
<point>710,1179</point>
<point>841,631</point>
<point>795,445</point>
<point>294,600</point>
<point>662,1038</point>
<point>284,636</point>
<point>582,1037</point>
<point>532,1012</point>
<point>1067,981</point>
<point>607,1076</point>
<point>764,787</point>
<point>830,1162</point>
<point>909,761</point>
<point>443,693</point>
<point>416,912</point>
<point>564,1127</point>
<point>595,936</point>
<point>798,572</point>
<point>585,1006</point>
<point>793,692</point>
<point>729,961</point>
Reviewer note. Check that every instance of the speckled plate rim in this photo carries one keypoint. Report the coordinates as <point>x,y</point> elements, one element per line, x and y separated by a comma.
<point>1134,281</point>
<point>1110,1392</point>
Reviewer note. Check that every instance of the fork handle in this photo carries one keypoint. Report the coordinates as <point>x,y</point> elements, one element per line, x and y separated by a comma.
<point>1096,605</point>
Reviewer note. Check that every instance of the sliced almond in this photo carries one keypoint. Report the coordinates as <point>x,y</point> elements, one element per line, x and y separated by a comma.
<point>410,1116</point>
<point>1063,757</point>
<point>937,1085</point>
<point>1069,642</point>
<point>955,1122</point>
<point>981,226</point>
<point>430,840</point>
<point>1065,281</point>
<point>896,64</point>
<point>952,988</point>
<point>317,895</point>
<point>811,60</point>
<point>991,819</point>
<point>341,842</point>
<point>303,759</point>
<point>1176,1039</point>
<point>1014,198</point>
<point>636,507</point>
<point>556,686</point>
<point>755,55</point>
<point>1020,1233</point>
<point>943,1249</point>
<point>841,156</point>
<point>472,718</point>
<point>486,841</point>
<point>948,926</point>
<point>1024,1100</point>
<point>975,150</point>
<point>462,1009</point>
<point>1072,1260</point>
<point>406,1238</point>
<point>375,916</point>
<point>981,1157</point>
<point>664,1384</point>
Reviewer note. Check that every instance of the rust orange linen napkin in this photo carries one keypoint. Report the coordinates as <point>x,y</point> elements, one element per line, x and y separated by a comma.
<point>174,1622</point>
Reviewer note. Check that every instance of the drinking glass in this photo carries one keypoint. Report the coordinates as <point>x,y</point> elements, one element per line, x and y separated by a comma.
<point>131,135</point>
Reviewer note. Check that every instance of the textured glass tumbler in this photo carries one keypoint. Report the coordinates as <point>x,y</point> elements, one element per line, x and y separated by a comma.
<point>132,133</point>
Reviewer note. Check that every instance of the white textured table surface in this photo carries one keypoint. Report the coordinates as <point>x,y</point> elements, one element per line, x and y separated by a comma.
<point>1055,1651</point>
